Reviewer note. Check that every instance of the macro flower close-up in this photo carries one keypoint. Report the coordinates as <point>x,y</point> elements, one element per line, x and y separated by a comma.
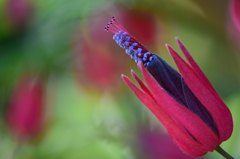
<point>235,12</point>
<point>186,104</point>
<point>156,144</point>
<point>72,89</point>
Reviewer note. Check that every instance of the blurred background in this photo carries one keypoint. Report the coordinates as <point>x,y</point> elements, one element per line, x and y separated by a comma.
<point>61,95</point>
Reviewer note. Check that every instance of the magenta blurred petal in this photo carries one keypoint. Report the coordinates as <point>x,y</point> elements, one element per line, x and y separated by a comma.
<point>156,144</point>
<point>24,115</point>
<point>235,12</point>
<point>19,12</point>
<point>142,24</point>
<point>95,67</point>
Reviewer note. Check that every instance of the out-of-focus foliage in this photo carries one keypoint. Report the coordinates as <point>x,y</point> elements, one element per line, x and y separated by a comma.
<point>88,111</point>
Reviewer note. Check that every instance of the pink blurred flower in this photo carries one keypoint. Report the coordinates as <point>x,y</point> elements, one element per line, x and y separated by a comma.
<point>24,114</point>
<point>158,145</point>
<point>19,12</point>
<point>95,67</point>
<point>142,24</point>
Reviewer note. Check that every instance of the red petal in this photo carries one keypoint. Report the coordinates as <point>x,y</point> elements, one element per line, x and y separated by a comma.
<point>235,12</point>
<point>213,103</point>
<point>24,114</point>
<point>184,117</point>
<point>141,84</point>
<point>180,137</point>
<point>194,64</point>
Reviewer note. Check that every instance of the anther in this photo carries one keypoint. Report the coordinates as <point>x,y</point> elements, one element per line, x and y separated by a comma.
<point>133,48</point>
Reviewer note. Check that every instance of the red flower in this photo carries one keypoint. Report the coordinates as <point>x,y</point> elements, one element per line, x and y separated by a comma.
<point>25,111</point>
<point>95,67</point>
<point>187,105</point>
<point>93,58</point>
<point>19,12</point>
<point>235,12</point>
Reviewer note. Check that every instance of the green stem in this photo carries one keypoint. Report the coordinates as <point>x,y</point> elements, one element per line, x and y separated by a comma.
<point>223,153</point>
<point>15,150</point>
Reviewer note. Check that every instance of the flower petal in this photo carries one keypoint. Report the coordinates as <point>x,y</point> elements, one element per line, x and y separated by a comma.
<point>208,98</point>
<point>185,118</point>
<point>235,13</point>
<point>180,137</point>
<point>194,64</point>
<point>141,84</point>
<point>167,77</point>
<point>195,106</point>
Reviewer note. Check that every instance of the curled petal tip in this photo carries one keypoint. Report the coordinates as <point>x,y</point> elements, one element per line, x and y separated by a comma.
<point>179,42</point>
<point>134,75</point>
<point>139,65</point>
<point>168,47</point>
<point>126,79</point>
<point>177,39</point>
<point>123,76</point>
<point>132,72</point>
<point>171,51</point>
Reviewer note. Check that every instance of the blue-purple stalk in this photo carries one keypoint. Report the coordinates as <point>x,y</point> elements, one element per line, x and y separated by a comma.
<point>133,48</point>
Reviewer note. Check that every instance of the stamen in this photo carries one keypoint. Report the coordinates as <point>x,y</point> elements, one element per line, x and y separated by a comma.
<point>133,48</point>
<point>114,26</point>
